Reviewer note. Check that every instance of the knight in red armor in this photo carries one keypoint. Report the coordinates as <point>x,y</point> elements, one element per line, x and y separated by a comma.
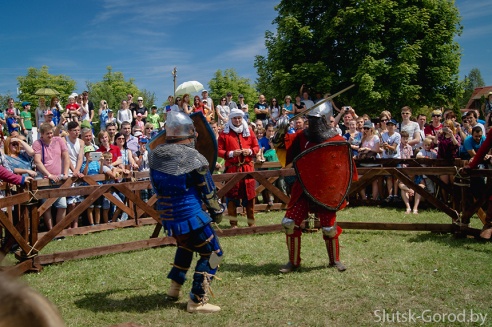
<point>301,201</point>
<point>480,158</point>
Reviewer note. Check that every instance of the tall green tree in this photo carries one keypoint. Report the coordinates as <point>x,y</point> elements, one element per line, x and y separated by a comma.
<point>40,78</point>
<point>471,82</point>
<point>113,88</point>
<point>396,52</point>
<point>230,81</point>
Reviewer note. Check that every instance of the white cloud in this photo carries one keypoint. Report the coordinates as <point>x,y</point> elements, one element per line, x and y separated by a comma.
<point>473,9</point>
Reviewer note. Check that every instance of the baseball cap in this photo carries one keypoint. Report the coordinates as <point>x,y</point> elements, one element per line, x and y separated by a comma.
<point>89,148</point>
<point>153,106</point>
<point>391,121</point>
<point>229,94</point>
<point>140,98</point>
<point>204,91</point>
<point>240,96</point>
<point>436,113</point>
<point>10,112</point>
<point>143,140</point>
<point>139,115</point>
<point>25,103</point>
<point>48,112</point>
<point>367,124</point>
<point>137,134</point>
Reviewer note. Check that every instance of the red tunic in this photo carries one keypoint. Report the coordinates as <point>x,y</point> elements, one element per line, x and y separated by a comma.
<point>297,143</point>
<point>233,141</point>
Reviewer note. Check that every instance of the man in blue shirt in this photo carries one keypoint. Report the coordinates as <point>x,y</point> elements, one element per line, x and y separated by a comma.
<point>474,141</point>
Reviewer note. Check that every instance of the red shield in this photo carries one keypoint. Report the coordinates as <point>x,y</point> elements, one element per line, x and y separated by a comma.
<point>325,173</point>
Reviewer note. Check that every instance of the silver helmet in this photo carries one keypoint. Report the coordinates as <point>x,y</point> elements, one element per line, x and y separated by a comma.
<point>320,111</point>
<point>179,125</point>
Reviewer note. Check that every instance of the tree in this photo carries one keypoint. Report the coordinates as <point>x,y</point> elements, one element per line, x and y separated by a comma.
<point>4,98</point>
<point>471,82</point>
<point>39,78</point>
<point>229,81</point>
<point>396,52</point>
<point>113,88</point>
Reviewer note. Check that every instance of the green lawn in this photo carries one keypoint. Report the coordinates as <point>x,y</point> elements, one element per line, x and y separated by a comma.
<point>387,270</point>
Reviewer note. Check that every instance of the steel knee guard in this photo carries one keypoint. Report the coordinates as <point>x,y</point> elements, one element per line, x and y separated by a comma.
<point>288,225</point>
<point>330,231</point>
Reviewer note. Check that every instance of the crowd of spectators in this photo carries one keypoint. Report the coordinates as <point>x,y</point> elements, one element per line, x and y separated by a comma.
<point>66,141</point>
<point>66,146</point>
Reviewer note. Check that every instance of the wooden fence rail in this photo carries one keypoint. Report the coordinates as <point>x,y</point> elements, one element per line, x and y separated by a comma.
<point>23,229</point>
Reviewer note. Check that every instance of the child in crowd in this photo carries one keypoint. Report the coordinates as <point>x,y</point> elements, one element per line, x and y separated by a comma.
<point>72,108</point>
<point>113,173</point>
<point>391,149</point>
<point>428,152</point>
<point>262,142</point>
<point>142,160</point>
<point>406,152</point>
<point>26,121</point>
<point>139,122</point>
<point>12,123</point>
<point>92,167</point>
<point>154,118</point>
<point>48,117</point>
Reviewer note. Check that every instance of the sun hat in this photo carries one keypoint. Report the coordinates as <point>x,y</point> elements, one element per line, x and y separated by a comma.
<point>89,148</point>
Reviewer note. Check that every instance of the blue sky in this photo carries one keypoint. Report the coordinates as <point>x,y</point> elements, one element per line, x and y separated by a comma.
<point>145,39</point>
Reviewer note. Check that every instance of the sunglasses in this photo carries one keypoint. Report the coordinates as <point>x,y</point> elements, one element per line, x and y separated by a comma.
<point>120,138</point>
<point>366,128</point>
<point>149,128</point>
<point>384,120</point>
<point>405,113</point>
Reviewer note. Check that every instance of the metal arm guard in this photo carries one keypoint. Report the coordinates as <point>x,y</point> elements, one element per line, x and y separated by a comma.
<point>208,195</point>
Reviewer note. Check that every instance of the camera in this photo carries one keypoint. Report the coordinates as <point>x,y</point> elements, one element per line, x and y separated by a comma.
<point>346,108</point>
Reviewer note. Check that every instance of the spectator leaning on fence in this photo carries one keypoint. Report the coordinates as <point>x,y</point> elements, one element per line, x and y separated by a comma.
<point>53,162</point>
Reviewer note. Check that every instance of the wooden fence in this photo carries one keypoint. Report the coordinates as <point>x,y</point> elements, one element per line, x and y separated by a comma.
<point>23,228</point>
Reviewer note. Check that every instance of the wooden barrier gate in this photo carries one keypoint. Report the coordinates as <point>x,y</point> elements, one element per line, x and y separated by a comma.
<point>24,230</point>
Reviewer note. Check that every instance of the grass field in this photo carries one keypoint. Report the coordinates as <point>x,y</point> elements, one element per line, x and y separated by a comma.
<point>421,273</point>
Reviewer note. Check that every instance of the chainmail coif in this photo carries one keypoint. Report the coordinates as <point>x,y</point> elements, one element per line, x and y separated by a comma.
<point>176,159</point>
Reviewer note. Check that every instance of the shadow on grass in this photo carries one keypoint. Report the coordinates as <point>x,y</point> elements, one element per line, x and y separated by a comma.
<point>451,240</point>
<point>270,269</point>
<point>439,238</point>
<point>102,302</point>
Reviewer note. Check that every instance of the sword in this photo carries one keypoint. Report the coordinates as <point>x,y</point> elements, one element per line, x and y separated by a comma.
<point>321,102</point>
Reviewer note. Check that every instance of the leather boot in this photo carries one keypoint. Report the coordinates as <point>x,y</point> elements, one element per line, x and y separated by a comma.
<point>333,250</point>
<point>250,212</point>
<point>232,213</point>
<point>173,292</point>
<point>486,232</point>
<point>201,307</point>
<point>294,248</point>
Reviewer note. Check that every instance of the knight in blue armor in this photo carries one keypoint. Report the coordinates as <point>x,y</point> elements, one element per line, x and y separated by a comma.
<point>181,179</point>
